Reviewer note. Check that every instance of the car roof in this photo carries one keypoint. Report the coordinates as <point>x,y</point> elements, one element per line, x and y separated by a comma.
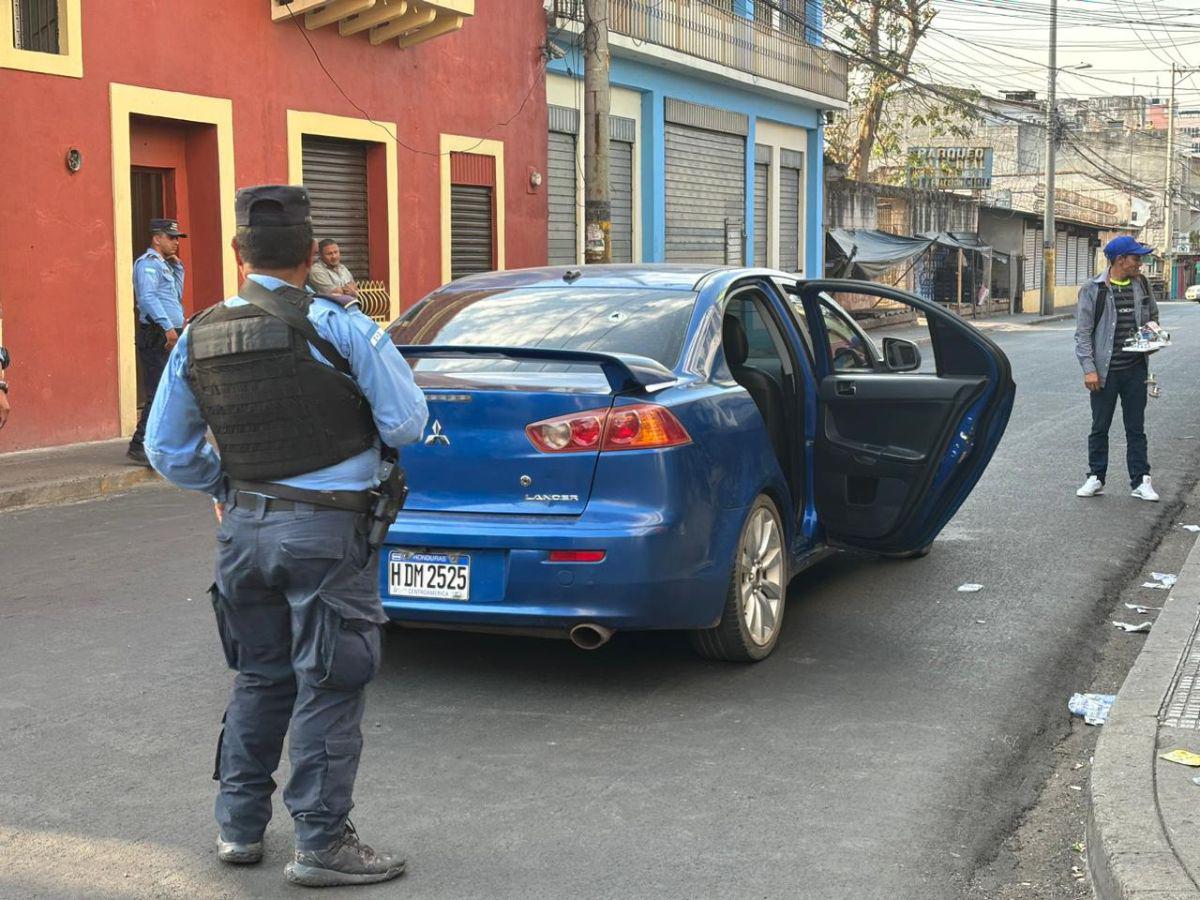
<point>660,276</point>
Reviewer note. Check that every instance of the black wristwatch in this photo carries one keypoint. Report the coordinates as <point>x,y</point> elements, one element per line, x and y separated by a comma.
<point>5,359</point>
<point>4,386</point>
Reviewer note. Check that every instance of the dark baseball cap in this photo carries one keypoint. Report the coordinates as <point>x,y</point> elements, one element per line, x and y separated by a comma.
<point>166,226</point>
<point>272,205</point>
<point>1125,245</point>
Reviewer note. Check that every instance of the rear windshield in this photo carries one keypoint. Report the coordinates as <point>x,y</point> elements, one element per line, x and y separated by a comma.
<point>643,322</point>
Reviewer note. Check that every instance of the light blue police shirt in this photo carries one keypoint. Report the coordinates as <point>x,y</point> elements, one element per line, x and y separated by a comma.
<point>158,290</point>
<point>175,432</point>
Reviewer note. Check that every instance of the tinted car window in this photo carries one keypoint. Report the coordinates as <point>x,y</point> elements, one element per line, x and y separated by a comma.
<point>649,323</point>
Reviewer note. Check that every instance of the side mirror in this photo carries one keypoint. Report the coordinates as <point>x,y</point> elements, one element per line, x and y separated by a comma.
<point>900,355</point>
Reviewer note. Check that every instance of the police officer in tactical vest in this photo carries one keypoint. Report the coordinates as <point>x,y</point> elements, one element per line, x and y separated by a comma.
<point>303,395</point>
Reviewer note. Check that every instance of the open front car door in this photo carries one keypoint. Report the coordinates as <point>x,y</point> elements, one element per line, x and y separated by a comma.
<point>901,438</point>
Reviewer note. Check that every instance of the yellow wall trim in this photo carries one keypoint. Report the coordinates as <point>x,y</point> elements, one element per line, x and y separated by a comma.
<point>457,143</point>
<point>300,123</point>
<point>127,100</point>
<point>68,62</point>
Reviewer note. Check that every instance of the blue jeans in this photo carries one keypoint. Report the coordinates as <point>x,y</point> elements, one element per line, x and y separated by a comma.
<point>1129,385</point>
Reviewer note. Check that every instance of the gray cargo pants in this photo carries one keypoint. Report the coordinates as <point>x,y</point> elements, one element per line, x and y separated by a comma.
<point>298,613</point>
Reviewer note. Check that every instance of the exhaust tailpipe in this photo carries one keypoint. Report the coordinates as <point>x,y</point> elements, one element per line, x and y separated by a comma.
<point>590,636</point>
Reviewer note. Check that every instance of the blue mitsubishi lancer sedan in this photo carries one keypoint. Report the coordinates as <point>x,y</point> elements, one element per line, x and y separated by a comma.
<point>667,447</point>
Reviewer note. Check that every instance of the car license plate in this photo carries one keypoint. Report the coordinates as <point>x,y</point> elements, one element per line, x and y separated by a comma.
<point>429,576</point>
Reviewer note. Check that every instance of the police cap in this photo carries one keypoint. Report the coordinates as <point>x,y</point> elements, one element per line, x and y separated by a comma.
<point>272,205</point>
<point>168,227</point>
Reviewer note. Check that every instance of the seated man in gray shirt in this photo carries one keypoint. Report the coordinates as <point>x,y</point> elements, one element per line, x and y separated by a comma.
<point>328,275</point>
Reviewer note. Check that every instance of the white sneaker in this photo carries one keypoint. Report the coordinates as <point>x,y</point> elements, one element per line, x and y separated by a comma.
<point>1091,488</point>
<point>1145,491</point>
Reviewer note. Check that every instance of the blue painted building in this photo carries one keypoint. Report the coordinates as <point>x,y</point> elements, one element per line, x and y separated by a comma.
<point>716,135</point>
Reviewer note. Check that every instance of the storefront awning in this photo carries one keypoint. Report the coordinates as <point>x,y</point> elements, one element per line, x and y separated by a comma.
<point>866,253</point>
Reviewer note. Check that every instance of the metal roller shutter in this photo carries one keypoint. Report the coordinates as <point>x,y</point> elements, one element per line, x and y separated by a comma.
<point>620,186</point>
<point>622,133</point>
<point>1072,260</point>
<point>762,204</point>
<point>470,230</point>
<point>1060,257</point>
<point>1033,252</point>
<point>561,198</point>
<point>335,173</point>
<point>790,181</point>
<point>1084,257</point>
<point>705,183</point>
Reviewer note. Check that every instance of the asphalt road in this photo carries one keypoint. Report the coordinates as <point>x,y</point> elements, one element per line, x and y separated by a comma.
<point>883,751</point>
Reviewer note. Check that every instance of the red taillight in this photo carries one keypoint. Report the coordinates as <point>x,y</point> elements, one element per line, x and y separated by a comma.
<point>642,426</point>
<point>568,434</point>
<point>577,556</point>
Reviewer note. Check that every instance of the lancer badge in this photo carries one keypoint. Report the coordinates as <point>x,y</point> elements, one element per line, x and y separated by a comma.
<point>435,435</point>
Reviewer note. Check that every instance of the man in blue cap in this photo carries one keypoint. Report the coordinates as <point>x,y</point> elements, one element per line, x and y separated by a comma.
<point>300,392</point>
<point>1112,307</point>
<point>158,279</point>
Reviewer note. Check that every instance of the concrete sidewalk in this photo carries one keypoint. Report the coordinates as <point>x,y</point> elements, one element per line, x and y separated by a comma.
<point>1143,830</point>
<point>919,332</point>
<point>67,474</point>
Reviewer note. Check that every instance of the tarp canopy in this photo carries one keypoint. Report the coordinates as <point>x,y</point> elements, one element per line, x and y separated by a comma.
<point>866,253</point>
<point>958,240</point>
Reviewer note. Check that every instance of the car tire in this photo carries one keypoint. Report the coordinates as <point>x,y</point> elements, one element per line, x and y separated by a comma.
<point>752,617</point>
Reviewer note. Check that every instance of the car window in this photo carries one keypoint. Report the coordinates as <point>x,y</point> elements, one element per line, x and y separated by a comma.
<point>644,322</point>
<point>847,346</point>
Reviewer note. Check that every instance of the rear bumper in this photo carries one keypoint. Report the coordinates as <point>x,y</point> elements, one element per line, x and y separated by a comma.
<point>657,572</point>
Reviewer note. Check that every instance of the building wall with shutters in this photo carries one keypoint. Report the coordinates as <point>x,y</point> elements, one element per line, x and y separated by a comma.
<point>789,212</point>
<point>234,120</point>
<point>698,193</point>
<point>565,104</point>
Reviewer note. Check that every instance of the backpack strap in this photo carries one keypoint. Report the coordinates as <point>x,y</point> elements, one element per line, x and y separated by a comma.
<point>288,304</point>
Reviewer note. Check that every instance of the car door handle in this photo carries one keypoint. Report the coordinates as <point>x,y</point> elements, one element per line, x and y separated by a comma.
<point>845,389</point>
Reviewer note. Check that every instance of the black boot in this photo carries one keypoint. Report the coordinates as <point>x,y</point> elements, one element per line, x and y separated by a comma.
<point>346,861</point>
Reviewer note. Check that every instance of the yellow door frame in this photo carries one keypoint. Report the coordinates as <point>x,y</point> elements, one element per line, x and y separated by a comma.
<point>457,143</point>
<point>300,123</point>
<point>128,100</point>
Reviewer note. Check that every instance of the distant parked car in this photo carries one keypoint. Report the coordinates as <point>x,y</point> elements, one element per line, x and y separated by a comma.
<point>665,447</point>
<point>1192,293</point>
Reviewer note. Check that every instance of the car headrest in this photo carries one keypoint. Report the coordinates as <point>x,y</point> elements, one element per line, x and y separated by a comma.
<point>733,338</point>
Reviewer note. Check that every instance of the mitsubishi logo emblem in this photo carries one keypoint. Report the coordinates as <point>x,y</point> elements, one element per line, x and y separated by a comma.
<point>435,436</point>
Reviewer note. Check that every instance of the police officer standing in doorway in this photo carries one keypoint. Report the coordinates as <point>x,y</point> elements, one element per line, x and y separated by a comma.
<point>300,392</point>
<point>158,278</point>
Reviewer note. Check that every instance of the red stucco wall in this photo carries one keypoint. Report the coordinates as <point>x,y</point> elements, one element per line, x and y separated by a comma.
<point>56,228</point>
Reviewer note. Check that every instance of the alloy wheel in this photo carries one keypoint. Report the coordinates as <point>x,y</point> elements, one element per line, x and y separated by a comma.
<point>761,577</point>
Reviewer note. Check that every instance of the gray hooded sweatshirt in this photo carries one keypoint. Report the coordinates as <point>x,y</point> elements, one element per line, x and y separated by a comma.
<point>1094,350</point>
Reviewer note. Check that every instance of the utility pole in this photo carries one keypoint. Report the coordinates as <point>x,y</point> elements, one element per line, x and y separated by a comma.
<point>597,238</point>
<point>1169,197</point>
<point>1048,263</point>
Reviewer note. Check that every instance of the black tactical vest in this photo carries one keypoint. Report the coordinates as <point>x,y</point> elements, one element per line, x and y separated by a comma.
<point>274,410</point>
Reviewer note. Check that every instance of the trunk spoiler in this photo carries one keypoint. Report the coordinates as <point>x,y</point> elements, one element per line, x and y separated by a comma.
<point>624,371</point>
